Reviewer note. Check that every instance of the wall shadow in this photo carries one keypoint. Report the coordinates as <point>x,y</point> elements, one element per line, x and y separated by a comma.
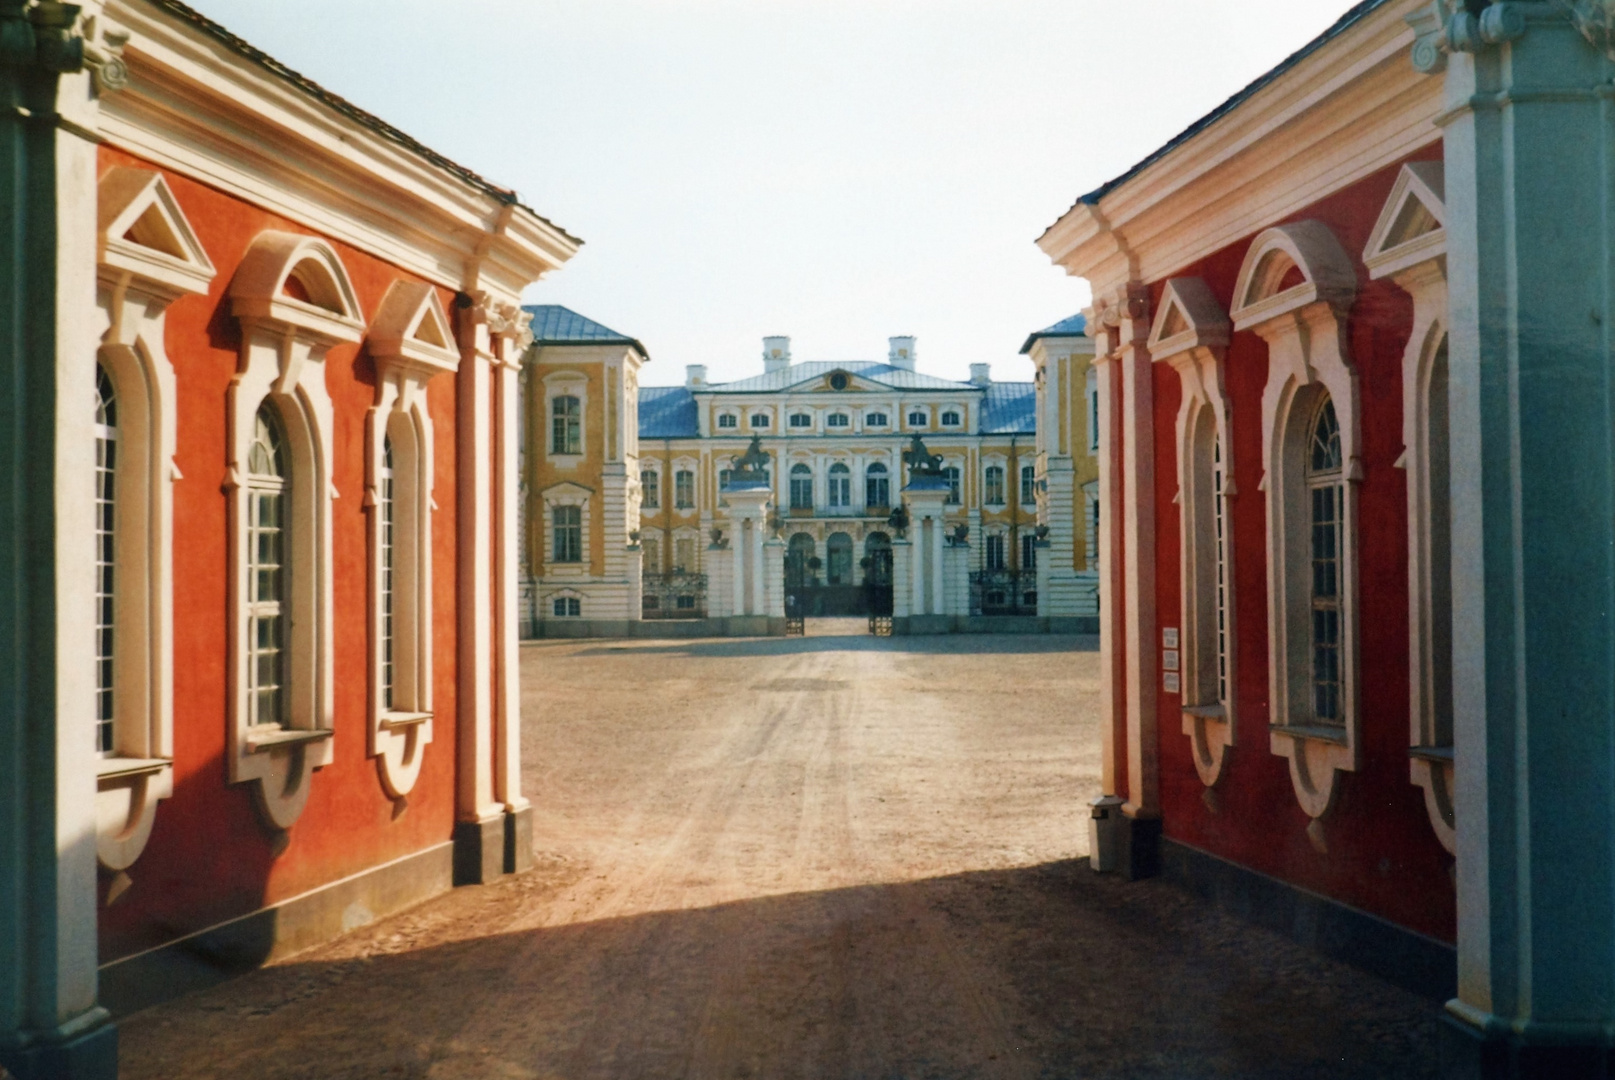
<point>1048,971</point>
<point>935,645</point>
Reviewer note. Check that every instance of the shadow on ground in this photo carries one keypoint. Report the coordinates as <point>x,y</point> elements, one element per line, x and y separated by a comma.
<point>1047,971</point>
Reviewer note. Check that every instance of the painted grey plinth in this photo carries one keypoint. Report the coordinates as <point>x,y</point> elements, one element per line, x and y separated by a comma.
<point>479,850</point>
<point>519,840</point>
<point>1528,141</point>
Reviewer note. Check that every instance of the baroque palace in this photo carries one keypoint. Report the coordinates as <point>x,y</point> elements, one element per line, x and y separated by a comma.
<point>628,485</point>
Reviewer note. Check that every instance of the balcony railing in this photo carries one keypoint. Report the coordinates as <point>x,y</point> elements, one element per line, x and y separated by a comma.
<point>675,595</point>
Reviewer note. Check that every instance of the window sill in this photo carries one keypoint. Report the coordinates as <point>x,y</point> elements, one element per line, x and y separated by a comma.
<point>1441,754</point>
<point>1311,731</point>
<point>566,461</point>
<point>116,768</point>
<point>270,736</point>
<point>1206,712</point>
<point>402,721</point>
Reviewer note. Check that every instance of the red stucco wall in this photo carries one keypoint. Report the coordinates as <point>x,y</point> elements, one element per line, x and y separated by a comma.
<point>1383,856</point>
<point>210,856</point>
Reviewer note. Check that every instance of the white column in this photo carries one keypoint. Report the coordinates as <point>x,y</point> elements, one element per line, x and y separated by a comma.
<point>1138,539</point>
<point>506,527</point>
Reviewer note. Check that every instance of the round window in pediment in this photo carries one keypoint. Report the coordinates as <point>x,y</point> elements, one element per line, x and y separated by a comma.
<point>839,381</point>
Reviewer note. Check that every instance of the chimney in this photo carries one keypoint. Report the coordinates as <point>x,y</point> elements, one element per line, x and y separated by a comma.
<point>981,374</point>
<point>695,375</point>
<point>776,354</point>
<point>901,353</point>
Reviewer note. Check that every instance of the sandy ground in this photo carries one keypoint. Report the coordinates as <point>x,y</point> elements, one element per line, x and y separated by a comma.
<point>820,857</point>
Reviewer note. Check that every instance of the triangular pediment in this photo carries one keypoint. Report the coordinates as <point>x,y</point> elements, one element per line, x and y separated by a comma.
<point>566,489</point>
<point>144,232</point>
<point>1188,317</point>
<point>413,327</point>
<point>1412,225</point>
<point>837,381</point>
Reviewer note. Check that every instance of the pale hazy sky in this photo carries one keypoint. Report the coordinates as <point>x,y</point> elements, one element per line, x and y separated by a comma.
<point>837,170</point>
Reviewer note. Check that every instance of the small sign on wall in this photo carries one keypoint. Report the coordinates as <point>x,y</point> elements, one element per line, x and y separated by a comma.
<point>1170,680</point>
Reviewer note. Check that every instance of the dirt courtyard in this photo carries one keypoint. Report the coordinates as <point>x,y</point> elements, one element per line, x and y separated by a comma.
<point>820,857</point>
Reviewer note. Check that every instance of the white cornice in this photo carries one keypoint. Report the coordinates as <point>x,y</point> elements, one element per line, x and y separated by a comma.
<point>1352,107</point>
<point>198,107</point>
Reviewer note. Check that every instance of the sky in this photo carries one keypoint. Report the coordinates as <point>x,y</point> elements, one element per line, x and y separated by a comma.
<point>841,171</point>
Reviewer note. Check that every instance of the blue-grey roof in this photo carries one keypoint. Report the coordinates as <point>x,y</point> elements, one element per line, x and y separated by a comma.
<point>885,374</point>
<point>1075,326</point>
<point>1009,408</point>
<point>557,325</point>
<point>667,412</point>
<point>1356,14</point>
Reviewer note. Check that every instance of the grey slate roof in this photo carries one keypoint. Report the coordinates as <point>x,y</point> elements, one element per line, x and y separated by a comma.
<point>1010,408</point>
<point>1356,13</point>
<point>667,412</point>
<point>557,325</point>
<point>885,374</point>
<point>1072,327</point>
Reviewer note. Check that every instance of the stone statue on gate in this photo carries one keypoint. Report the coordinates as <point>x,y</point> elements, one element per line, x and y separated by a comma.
<point>752,466</point>
<point>920,461</point>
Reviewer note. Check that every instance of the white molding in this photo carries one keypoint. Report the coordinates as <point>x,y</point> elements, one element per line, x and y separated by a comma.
<point>1412,226</point>
<point>410,343</point>
<point>136,283</point>
<point>1293,142</point>
<point>283,347</point>
<point>1416,259</point>
<point>1191,332</point>
<point>199,107</point>
<point>1305,330</point>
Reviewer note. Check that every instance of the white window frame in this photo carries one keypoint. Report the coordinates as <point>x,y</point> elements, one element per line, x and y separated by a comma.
<point>1091,383</point>
<point>732,415</point>
<point>686,535</point>
<point>657,473</point>
<point>911,411</point>
<point>568,493</point>
<point>793,478</point>
<point>838,475</point>
<point>1305,330</point>
<point>953,472</point>
<point>283,347</point>
<point>845,419</point>
<point>883,476</point>
<point>1409,246</point>
<point>149,257</point>
<point>568,596</point>
<point>412,342</point>
<point>987,467</point>
<point>885,420</point>
<point>955,411</point>
<point>792,425</point>
<point>996,541</point>
<point>686,469</point>
<point>566,383</point>
<point>1191,333</point>
<point>765,415</point>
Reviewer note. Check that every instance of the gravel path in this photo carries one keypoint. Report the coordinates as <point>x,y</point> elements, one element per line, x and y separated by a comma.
<point>820,857</point>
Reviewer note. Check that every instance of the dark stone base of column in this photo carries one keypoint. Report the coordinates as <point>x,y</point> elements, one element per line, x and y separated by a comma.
<point>479,850</point>
<point>1141,848</point>
<point>86,1055</point>
<point>1469,1053</point>
<point>519,840</point>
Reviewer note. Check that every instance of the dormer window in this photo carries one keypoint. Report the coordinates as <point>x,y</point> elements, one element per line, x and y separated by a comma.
<point>728,420</point>
<point>837,420</point>
<point>876,419</point>
<point>801,420</point>
<point>761,420</point>
<point>950,419</point>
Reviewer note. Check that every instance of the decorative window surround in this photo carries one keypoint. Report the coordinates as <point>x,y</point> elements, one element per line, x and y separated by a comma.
<point>411,341</point>
<point>1191,333</point>
<point>1305,329</point>
<point>283,345</point>
<point>566,384</point>
<point>148,256</point>
<point>1409,246</point>
<point>567,493</point>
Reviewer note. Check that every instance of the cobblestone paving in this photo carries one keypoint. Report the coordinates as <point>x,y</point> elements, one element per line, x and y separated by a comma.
<point>813,857</point>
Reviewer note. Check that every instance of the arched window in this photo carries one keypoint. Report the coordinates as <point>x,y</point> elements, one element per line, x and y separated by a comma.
<point>840,487</point>
<point>385,552</point>
<point>1324,475</point>
<point>106,551</point>
<point>801,487</point>
<point>760,420</point>
<point>950,419</point>
<point>876,419</point>
<point>268,609</point>
<point>877,486</point>
<point>993,482</point>
<point>567,525</point>
<point>951,474</point>
<point>917,418</point>
<point>837,419</point>
<point>801,420</point>
<point>838,570</point>
<point>728,420</point>
<point>566,425</point>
